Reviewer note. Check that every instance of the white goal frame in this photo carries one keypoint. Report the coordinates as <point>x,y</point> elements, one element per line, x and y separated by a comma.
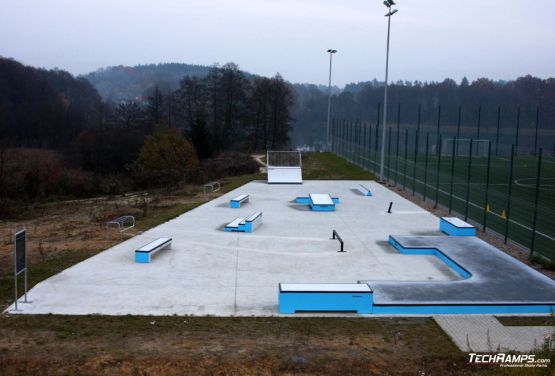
<point>462,147</point>
<point>284,167</point>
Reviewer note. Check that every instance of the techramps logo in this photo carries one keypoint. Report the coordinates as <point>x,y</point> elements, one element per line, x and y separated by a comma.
<point>510,360</point>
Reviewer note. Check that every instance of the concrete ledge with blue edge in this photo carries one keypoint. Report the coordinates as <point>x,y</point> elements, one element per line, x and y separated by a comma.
<point>365,191</point>
<point>144,254</point>
<point>324,297</point>
<point>492,282</point>
<point>245,224</point>
<point>454,226</point>
<point>235,203</point>
<point>319,201</point>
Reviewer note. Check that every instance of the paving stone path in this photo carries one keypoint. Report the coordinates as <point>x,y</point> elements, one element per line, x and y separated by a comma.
<point>474,333</point>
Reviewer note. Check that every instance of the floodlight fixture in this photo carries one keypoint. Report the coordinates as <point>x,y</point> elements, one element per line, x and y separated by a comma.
<point>388,4</point>
<point>328,148</point>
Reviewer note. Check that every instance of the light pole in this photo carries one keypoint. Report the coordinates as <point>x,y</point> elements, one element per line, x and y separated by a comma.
<point>391,12</point>
<point>331,52</point>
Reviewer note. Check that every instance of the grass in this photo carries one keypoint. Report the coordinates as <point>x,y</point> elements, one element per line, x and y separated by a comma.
<point>421,175</point>
<point>208,345</point>
<point>327,166</point>
<point>132,345</point>
<point>527,320</point>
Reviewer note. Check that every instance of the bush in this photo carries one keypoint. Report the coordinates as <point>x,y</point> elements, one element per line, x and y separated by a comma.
<point>168,153</point>
<point>30,173</point>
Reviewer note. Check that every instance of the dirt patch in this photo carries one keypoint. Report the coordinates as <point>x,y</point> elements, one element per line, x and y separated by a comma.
<point>53,228</point>
<point>226,346</point>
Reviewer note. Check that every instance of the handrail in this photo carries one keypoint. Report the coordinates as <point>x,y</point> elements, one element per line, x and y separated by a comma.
<point>336,235</point>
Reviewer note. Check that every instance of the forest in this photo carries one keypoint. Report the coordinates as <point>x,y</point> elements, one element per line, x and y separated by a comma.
<point>59,137</point>
<point>528,100</point>
<point>124,128</point>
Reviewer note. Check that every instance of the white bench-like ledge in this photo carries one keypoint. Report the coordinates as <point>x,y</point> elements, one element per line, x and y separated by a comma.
<point>325,297</point>
<point>144,254</point>
<point>365,191</point>
<point>454,226</point>
<point>236,202</point>
<point>247,224</point>
<point>321,199</point>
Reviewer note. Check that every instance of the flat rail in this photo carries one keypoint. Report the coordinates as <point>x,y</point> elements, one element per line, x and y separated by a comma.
<point>335,235</point>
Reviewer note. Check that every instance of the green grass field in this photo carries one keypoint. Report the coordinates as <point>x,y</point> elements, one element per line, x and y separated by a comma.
<point>448,181</point>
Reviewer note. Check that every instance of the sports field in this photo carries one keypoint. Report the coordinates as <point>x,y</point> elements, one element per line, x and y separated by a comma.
<point>506,203</point>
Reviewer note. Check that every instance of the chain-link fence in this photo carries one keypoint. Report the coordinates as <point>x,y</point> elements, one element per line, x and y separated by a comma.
<point>497,179</point>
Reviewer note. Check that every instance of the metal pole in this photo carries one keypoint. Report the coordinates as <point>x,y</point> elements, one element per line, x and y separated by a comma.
<point>536,199</point>
<point>25,285</point>
<point>426,165</point>
<point>468,177</point>
<point>385,100</point>
<point>459,123</point>
<point>389,154</point>
<point>405,164</point>
<point>361,144</point>
<point>479,120</point>
<point>438,125</point>
<point>497,136</point>
<point>377,136</point>
<point>486,198</point>
<point>513,151</point>
<point>331,52</point>
<point>397,147</point>
<point>363,151</point>
<point>537,126</point>
<point>15,276</point>
<point>369,152</point>
<point>415,152</point>
<point>332,135</point>
<point>438,170</point>
<point>452,176</point>
<point>517,129</point>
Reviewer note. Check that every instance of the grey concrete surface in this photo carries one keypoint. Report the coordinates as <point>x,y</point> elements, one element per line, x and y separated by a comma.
<point>497,278</point>
<point>211,272</point>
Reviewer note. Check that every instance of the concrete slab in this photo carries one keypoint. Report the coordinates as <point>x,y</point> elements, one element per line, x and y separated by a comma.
<point>496,278</point>
<point>211,272</point>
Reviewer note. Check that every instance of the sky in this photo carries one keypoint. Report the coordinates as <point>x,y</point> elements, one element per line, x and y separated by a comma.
<point>430,40</point>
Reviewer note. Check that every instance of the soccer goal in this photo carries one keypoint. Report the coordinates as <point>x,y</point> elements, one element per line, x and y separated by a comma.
<point>462,147</point>
<point>284,167</point>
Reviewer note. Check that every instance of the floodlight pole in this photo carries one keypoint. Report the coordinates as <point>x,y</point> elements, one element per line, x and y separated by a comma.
<point>331,52</point>
<point>388,4</point>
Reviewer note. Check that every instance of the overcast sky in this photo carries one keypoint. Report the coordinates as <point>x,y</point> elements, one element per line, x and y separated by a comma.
<point>430,40</point>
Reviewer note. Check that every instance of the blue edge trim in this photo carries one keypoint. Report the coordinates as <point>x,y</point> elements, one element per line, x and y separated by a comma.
<point>421,309</point>
<point>321,208</point>
<point>452,230</point>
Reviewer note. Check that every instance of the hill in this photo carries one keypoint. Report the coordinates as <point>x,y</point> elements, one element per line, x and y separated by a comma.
<point>119,83</point>
<point>43,108</point>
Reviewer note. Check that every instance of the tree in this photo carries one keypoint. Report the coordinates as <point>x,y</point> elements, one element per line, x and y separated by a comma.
<point>128,113</point>
<point>155,105</point>
<point>168,151</point>
<point>202,139</point>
